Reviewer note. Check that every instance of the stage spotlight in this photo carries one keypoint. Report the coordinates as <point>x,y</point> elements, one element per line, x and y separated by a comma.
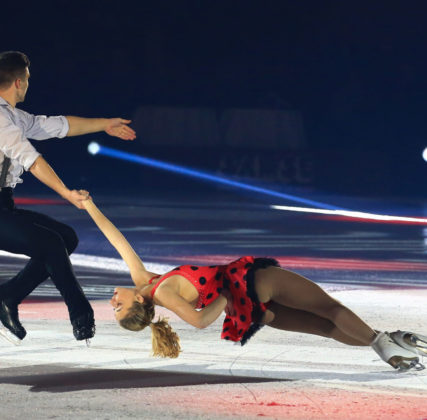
<point>182,170</point>
<point>425,154</point>
<point>355,214</point>
<point>322,208</point>
<point>93,148</point>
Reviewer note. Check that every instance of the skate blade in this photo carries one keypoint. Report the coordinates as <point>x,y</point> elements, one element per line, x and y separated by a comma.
<point>416,343</point>
<point>416,366</point>
<point>12,338</point>
<point>419,342</point>
<point>403,364</point>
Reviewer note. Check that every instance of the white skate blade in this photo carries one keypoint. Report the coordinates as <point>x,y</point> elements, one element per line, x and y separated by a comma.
<point>420,342</point>
<point>5,333</point>
<point>417,342</point>
<point>404,367</point>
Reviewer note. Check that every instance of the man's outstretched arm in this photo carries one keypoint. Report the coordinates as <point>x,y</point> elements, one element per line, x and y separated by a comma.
<point>44,173</point>
<point>117,127</point>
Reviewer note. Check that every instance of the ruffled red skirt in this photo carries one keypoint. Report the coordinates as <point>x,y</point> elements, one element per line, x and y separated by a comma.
<point>239,279</point>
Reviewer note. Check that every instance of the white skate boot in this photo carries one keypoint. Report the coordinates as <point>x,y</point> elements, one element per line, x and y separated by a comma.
<point>416,343</point>
<point>394,355</point>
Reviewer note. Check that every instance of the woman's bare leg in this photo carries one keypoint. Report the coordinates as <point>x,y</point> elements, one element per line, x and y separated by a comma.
<point>289,319</point>
<point>294,291</point>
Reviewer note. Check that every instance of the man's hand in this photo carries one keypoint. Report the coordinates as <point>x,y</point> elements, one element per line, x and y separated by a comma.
<point>77,197</point>
<point>117,127</point>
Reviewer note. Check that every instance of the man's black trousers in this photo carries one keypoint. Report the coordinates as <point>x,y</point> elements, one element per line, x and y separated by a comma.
<point>48,243</point>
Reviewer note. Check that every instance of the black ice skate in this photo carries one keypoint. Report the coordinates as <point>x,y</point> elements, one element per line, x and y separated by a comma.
<point>396,356</point>
<point>84,327</point>
<point>414,342</point>
<point>13,329</point>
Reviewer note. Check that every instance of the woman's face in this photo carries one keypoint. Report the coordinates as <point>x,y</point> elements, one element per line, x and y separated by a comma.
<point>122,300</point>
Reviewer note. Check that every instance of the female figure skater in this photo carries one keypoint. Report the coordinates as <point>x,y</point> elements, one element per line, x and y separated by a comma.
<point>253,292</point>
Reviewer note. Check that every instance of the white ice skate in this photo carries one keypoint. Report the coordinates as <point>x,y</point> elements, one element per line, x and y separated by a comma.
<point>394,355</point>
<point>414,342</point>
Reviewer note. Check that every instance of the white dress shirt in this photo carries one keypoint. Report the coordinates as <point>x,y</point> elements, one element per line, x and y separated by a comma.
<point>16,127</point>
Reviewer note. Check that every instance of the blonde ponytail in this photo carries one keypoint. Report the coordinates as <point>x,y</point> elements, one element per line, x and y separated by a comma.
<point>164,340</point>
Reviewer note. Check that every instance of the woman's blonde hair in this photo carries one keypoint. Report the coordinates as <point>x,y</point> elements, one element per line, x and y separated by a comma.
<point>164,340</point>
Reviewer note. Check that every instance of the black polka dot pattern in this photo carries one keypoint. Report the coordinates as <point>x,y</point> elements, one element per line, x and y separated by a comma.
<point>236,282</point>
<point>211,281</point>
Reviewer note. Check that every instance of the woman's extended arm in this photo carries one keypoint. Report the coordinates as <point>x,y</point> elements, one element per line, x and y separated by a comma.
<point>139,274</point>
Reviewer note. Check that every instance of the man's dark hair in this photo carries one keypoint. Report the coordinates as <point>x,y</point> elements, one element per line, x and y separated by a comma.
<point>12,67</point>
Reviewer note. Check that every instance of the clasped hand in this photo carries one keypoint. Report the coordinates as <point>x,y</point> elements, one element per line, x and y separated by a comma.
<point>77,197</point>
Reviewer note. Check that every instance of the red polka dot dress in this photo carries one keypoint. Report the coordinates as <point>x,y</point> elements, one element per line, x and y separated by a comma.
<point>238,277</point>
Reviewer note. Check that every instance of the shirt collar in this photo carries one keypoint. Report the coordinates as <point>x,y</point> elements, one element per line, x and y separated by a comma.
<point>3,102</point>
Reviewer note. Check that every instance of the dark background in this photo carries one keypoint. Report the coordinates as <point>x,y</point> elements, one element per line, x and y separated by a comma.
<point>356,71</point>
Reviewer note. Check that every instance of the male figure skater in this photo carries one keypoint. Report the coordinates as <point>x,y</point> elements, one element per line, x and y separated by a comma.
<point>46,241</point>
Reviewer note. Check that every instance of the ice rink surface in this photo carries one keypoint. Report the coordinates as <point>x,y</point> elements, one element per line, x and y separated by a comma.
<point>378,270</point>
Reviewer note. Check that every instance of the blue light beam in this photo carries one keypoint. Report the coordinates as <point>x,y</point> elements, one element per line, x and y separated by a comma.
<point>95,148</point>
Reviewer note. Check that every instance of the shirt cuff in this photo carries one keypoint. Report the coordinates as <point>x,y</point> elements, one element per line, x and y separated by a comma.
<point>29,160</point>
<point>65,127</point>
